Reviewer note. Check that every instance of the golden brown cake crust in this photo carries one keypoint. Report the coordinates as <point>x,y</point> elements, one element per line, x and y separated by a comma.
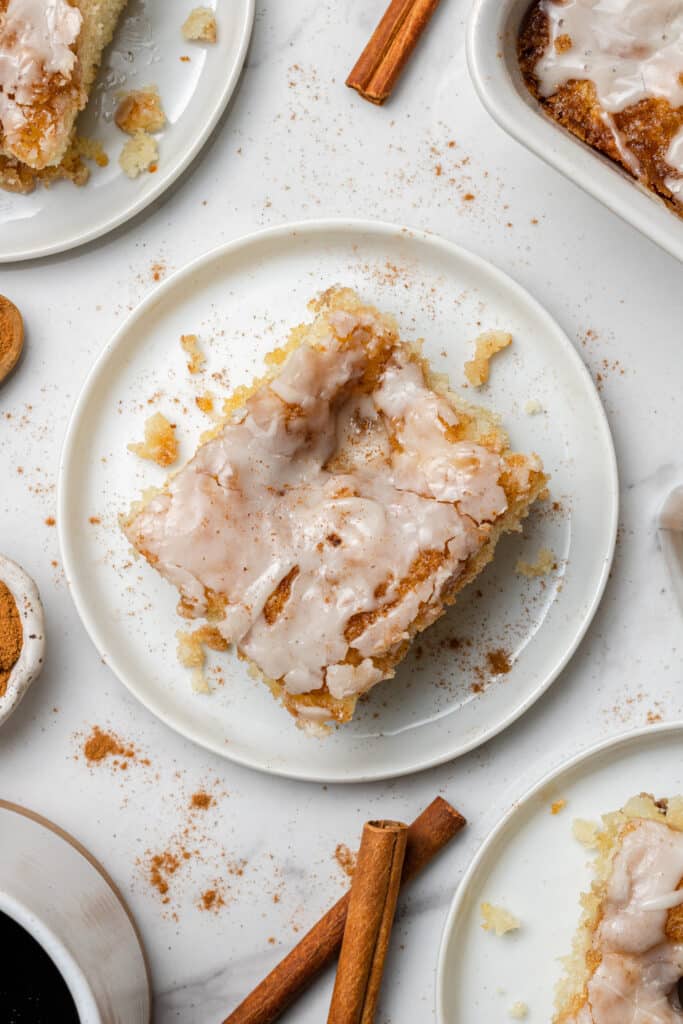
<point>647,127</point>
<point>521,479</point>
<point>51,119</point>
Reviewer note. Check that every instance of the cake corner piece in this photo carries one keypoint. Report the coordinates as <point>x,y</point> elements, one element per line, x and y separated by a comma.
<point>337,510</point>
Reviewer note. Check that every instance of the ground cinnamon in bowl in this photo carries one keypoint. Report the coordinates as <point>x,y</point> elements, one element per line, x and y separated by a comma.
<point>11,636</point>
<point>11,336</point>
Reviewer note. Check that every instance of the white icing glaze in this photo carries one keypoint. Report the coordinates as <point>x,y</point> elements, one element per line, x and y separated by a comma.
<point>629,49</point>
<point>36,39</point>
<point>636,978</point>
<point>340,488</point>
<point>674,158</point>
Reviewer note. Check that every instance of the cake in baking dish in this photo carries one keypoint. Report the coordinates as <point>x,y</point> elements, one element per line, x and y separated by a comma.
<point>50,51</point>
<point>627,959</point>
<point>341,504</point>
<point>612,73</point>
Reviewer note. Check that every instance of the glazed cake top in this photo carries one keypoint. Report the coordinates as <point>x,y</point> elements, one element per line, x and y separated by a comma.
<point>629,49</point>
<point>36,48</point>
<point>640,962</point>
<point>327,511</point>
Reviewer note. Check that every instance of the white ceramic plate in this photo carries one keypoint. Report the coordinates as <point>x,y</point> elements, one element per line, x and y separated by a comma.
<point>58,892</point>
<point>241,300</point>
<point>492,59</point>
<point>146,49</point>
<point>532,866</point>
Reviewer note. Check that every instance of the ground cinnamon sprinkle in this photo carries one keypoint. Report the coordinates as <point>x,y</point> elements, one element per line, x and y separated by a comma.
<point>100,745</point>
<point>211,900</point>
<point>346,859</point>
<point>162,865</point>
<point>201,800</point>
<point>11,636</point>
<point>498,661</point>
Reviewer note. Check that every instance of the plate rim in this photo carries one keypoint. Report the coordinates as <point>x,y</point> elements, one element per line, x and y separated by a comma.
<point>164,182</point>
<point>587,754</point>
<point>313,227</point>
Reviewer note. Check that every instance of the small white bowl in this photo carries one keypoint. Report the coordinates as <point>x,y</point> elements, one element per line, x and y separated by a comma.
<point>492,58</point>
<point>30,661</point>
<point>52,887</point>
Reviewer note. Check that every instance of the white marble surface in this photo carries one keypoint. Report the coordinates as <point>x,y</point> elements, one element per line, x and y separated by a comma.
<point>294,144</point>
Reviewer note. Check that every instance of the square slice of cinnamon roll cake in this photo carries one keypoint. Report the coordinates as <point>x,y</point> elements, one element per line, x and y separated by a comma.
<point>339,507</point>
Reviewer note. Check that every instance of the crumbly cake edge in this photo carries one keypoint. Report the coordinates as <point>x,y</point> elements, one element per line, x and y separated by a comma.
<point>96,34</point>
<point>486,425</point>
<point>571,990</point>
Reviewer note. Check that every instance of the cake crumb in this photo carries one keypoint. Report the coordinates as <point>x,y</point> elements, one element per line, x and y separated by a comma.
<point>586,832</point>
<point>140,110</point>
<point>91,149</point>
<point>497,919</point>
<point>200,26</point>
<point>545,563</point>
<point>190,344</point>
<point>206,404</point>
<point>486,346</point>
<point>139,154</point>
<point>533,407</point>
<point>160,444</point>
<point>557,806</point>
<point>519,1011</point>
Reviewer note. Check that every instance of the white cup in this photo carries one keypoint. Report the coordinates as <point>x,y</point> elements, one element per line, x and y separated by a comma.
<point>52,887</point>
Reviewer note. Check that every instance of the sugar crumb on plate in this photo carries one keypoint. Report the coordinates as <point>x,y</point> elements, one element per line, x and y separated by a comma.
<point>190,344</point>
<point>140,110</point>
<point>139,154</point>
<point>497,919</point>
<point>200,26</point>
<point>477,369</point>
<point>160,444</point>
<point>545,563</point>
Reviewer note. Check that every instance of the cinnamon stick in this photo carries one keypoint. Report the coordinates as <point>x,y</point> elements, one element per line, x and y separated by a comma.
<point>427,835</point>
<point>372,904</point>
<point>391,44</point>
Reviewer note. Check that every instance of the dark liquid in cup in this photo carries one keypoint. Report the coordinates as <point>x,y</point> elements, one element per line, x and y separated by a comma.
<point>32,991</point>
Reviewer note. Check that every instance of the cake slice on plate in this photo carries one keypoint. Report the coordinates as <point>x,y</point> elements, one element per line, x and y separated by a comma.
<point>342,504</point>
<point>627,959</point>
<point>50,51</point>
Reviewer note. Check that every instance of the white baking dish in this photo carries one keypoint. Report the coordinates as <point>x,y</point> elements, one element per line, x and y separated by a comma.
<point>492,58</point>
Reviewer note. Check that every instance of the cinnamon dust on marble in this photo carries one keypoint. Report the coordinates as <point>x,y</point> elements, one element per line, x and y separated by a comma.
<point>11,636</point>
<point>346,859</point>
<point>101,744</point>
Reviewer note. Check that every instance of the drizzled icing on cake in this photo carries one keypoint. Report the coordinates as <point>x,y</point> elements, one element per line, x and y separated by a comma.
<point>629,49</point>
<point>636,978</point>
<point>329,513</point>
<point>36,40</point>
